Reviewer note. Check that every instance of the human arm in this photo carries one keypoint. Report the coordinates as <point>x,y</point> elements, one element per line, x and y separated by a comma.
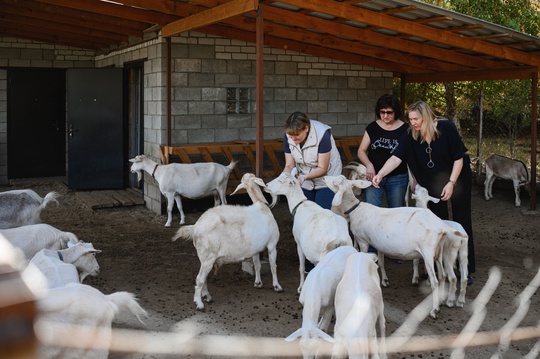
<point>289,163</point>
<point>448,189</point>
<point>391,164</point>
<point>363,156</point>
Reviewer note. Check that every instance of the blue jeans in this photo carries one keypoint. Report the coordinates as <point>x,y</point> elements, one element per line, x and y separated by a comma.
<point>322,196</point>
<point>394,187</point>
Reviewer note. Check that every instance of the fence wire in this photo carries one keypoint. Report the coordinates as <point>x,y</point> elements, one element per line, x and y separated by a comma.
<point>403,340</point>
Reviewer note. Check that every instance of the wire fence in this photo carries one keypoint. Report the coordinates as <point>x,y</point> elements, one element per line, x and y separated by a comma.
<point>403,340</point>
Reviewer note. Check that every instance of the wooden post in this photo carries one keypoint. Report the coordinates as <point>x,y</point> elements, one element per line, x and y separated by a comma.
<point>259,145</point>
<point>168,90</point>
<point>534,130</point>
<point>480,126</point>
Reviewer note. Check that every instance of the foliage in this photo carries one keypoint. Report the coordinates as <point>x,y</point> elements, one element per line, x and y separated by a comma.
<point>520,15</point>
<point>506,104</point>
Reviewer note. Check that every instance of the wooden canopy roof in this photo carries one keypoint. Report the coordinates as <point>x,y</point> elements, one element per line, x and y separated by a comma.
<point>420,41</point>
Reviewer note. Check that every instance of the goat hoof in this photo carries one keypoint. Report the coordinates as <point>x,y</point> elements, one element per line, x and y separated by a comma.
<point>167,224</point>
<point>278,289</point>
<point>258,285</point>
<point>449,304</point>
<point>434,313</point>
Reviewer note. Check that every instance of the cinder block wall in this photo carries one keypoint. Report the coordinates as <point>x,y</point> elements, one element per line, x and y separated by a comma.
<point>340,94</point>
<point>24,53</point>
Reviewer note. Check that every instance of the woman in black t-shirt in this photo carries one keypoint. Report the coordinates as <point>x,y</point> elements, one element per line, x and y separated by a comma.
<point>438,161</point>
<point>379,141</point>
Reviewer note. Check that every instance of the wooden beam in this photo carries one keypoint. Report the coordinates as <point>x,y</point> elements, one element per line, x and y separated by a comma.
<point>259,76</point>
<point>386,42</point>
<point>210,16</point>
<point>72,17</point>
<point>414,29</point>
<point>116,10</point>
<point>475,75</point>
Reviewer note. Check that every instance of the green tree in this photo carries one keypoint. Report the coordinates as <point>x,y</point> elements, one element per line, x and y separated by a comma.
<point>506,103</point>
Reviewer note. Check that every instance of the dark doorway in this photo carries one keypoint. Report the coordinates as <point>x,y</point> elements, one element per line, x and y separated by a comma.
<point>95,114</point>
<point>134,84</point>
<point>36,123</point>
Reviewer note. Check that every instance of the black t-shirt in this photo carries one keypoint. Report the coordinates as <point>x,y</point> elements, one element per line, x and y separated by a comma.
<point>445,149</point>
<point>383,143</point>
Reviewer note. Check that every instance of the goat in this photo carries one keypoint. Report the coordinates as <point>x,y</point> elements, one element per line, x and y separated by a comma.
<point>60,267</point>
<point>403,233</point>
<point>498,166</point>
<point>359,305</point>
<point>191,180</point>
<point>78,307</point>
<point>316,230</point>
<point>453,246</point>
<point>317,298</point>
<point>22,207</point>
<point>232,233</point>
<point>34,237</point>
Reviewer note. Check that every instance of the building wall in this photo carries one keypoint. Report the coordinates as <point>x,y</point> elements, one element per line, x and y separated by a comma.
<point>203,67</point>
<point>24,53</point>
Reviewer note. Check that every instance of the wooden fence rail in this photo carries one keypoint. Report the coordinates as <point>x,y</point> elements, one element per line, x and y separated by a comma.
<point>244,152</point>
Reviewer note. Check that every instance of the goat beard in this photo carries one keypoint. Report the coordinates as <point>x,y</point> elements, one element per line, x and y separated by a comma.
<point>139,176</point>
<point>275,199</point>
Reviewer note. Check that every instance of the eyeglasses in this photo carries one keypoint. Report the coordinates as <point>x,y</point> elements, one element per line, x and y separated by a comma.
<point>382,113</point>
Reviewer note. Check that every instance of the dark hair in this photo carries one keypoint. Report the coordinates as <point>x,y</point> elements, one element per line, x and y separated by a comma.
<point>296,122</point>
<point>388,100</point>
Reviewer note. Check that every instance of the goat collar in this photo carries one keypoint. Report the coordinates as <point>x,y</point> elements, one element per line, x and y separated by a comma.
<point>154,171</point>
<point>347,212</point>
<point>60,256</point>
<point>293,212</point>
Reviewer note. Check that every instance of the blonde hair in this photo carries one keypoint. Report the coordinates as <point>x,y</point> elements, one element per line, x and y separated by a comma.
<point>429,125</point>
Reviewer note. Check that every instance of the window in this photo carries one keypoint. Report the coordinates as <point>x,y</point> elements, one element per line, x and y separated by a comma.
<point>239,99</point>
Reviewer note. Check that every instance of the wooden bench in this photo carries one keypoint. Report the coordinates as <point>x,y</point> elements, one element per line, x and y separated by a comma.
<point>244,152</point>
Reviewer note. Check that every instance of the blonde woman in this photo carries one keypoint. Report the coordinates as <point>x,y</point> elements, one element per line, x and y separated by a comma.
<point>438,160</point>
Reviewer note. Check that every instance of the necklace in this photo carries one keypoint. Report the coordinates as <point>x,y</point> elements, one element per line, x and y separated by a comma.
<point>430,163</point>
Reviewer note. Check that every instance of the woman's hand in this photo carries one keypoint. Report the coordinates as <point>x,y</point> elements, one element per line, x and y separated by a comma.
<point>370,172</point>
<point>447,191</point>
<point>376,180</point>
<point>301,179</point>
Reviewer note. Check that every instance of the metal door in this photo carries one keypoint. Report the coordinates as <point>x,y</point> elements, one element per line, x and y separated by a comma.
<point>95,129</point>
<point>36,123</point>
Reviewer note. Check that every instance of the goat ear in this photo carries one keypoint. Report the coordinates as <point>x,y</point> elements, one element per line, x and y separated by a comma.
<point>433,199</point>
<point>321,334</point>
<point>295,335</point>
<point>361,183</point>
<point>260,182</point>
<point>338,197</point>
<point>239,187</point>
<point>94,251</point>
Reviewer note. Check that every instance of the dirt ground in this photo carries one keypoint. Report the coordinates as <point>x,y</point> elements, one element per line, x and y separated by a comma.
<point>138,256</point>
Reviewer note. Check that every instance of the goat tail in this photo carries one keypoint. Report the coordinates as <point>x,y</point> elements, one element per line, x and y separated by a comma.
<point>51,197</point>
<point>184,232</point>
<point>232,165</point>
<point>126,300</point>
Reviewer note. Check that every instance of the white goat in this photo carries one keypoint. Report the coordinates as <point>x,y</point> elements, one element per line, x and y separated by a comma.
<point>34,237</point>
<point>403,233</point>
<point>22,207</point>
<point>191,180</point>
<point>506,168</point>
<point>84,312</point>
<point>317,297</point>
<point>231,233</point>
<point>316,230</point>
<point>359,305</point>
<point>453,246</point>
<point>60,267</point>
